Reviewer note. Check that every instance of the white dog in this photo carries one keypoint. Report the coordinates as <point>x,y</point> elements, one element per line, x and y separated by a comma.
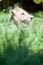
<point>20,15</point>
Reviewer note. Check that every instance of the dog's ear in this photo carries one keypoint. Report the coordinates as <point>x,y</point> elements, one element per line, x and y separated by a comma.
<point>12,13</point>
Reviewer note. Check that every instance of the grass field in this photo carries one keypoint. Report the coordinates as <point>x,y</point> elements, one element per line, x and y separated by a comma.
<point>22,44</point>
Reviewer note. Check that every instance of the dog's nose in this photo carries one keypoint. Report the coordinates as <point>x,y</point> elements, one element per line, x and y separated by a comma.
<point>31,17</point>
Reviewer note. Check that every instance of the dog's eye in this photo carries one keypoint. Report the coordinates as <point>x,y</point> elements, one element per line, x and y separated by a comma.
<point>22,13</point>
<point>13,13</point>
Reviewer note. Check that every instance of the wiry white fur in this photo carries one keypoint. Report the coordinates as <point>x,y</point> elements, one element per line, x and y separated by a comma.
<point>20,14</point>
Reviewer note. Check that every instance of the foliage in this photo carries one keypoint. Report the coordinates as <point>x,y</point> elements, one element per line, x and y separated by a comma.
<point>22,44</point>
<point>37,1</point>
<point>8,3</point>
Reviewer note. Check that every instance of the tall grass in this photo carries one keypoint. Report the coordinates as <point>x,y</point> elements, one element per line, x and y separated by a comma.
<point>22,44</point>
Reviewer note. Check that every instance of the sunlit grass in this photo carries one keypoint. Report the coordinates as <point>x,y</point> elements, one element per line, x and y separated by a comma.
<point>26,41</point>
<point>31,34</point>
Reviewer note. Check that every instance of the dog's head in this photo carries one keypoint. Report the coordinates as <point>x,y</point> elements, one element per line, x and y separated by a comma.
<point>20,14</point>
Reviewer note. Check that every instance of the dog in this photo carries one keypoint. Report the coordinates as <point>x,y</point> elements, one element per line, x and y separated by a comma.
<point>20,15</point>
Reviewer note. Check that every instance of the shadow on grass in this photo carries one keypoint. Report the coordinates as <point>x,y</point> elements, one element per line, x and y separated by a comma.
<point>20,56</point>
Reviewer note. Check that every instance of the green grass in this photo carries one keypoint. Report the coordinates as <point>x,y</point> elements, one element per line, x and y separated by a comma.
<point>22,44</point>
<point>38,14</point>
